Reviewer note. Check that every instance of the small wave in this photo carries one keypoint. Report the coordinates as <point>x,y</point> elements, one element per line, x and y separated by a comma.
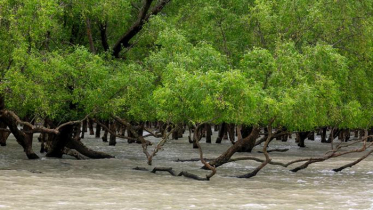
<point>255,205</point>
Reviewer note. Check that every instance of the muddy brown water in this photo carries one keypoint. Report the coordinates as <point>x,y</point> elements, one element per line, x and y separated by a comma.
<point>111,184</point>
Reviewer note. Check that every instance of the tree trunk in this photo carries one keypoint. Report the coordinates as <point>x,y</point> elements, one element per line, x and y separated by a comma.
<point>302,136</point>
<point>208,133</point>
<point>230,131</point>
<point>250,144</point>
<point>333,134</point>
<point>113,141</point>
<point>222,131</point>
<point>84,129</point>
<point>24,140</point>
<point>82,149</point>
<point>3,134</point>
<point>58,142</point>
<point>90,126</point>
<point>224,158</point>
<point>98,130</point>
<point>323,135</point>
<point>311,136</point>
<point>106,132</point>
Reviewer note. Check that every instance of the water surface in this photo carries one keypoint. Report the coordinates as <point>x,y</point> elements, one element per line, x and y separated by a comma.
<point>67,183</point>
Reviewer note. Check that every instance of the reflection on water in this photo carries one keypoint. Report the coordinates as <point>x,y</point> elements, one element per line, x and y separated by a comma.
<point>67,183</point>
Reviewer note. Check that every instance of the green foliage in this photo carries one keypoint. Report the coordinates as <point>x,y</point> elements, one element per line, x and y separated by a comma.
<point>303,63</point>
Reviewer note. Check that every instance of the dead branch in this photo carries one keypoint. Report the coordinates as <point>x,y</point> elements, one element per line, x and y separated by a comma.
<point>144,143</point>
<point>267,160</point>
<point>257,160</point>
<point>197,137</point>
<point>275,150</point>
<point>169,170</point>
<point>334,154</point>
<point>161,143</point>
<point>191,160</point>
<point>353,163</point>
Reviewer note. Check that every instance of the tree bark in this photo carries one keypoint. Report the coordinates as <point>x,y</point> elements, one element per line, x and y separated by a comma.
<point>84,128</point>
<point>106,132</point>
<point>302,137</point>
<point>136,27</point>
<point>82,149</point>
<point>113,128</point>
<point>89,35</point>
<point>90,126</point>
<point>58,142</point>
<point>224,158</point>
<point>230,130</point>
<point>24,140</point>
<point>248,145</point>
<point>222,131</point>
<point>103,34</point>
<point>3,134</point>
<point>98,130</point>
<point>208,133</point>
<point>323,135</point>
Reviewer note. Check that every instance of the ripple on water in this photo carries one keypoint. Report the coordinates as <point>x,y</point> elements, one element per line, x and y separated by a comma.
<point>255,206</point>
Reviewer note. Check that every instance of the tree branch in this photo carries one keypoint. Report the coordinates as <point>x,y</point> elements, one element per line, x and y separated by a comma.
<point>136,27</point>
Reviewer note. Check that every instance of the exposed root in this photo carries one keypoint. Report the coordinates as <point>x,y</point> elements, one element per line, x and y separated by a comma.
<point>74,153</point>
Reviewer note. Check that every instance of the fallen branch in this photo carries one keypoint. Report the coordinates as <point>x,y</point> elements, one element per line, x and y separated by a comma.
<point>353,163</point>
<point>257,160</point>
<point>275,150</point>
<point>191,160</point>
<point>169,170</point>
<point>334,154</point>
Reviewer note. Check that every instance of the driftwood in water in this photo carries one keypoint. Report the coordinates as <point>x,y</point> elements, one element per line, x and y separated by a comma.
<point>353,163</point>
<point>275,150</point>
<point>173,173</point>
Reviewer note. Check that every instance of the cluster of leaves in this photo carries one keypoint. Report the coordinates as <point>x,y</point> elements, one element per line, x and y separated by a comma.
<point>303,63</point>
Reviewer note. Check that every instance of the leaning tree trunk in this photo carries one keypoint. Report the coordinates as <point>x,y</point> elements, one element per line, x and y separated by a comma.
<point>82,149</point>
<point>59,142</point>
<point>224,158</point>
<point>24,140</point>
